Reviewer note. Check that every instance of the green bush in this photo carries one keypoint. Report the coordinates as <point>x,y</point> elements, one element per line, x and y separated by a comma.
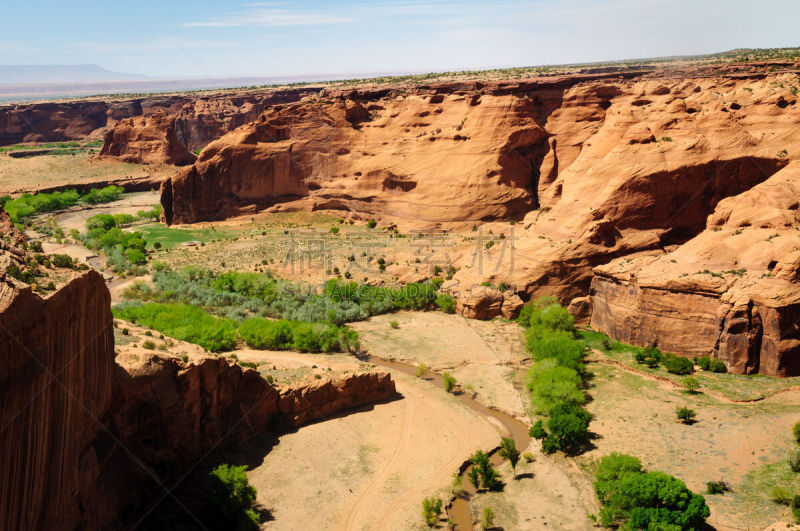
<point>678,365</point>
<point>794,460</point>
<point>62,260</point>
<point>537,431</point>
<point>449,382</point>
<point>231,500</point>
<point>557,345</point>
<point>483,471</point>
<point>446,303</point>
<point>717,487</point>
<point>431,510</point>
<point>796,432</point>
<point>123,220</point>
<point>487,518</point>
<point>525,314</point>
<point>102,195</point>
<point>780,495</point>
<point>685,415</point>
<point>549,384</point>
<point>637,499</point>
<point>28,205</point>
<point>718,366</point>
<point>568,427</point>
<point>184,322</point>
<point>305,337</point>
<point>704,362</point>
<point>372,224</point>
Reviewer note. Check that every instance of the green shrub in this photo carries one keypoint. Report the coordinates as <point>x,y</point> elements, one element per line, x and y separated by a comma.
<point>487,518</point>
<point>509,452</point>
<point>794,460</point>
<point>717,487</point>
<point>28,205</point>
<point>691,385</point>
<point>231,500</point>
<point>101,221</point>
<point>685,415</point>
<point>372,224</point>
<point>780,495</point>
<point>62,260</point>
<point>484,472</point>
<point>678,365</point>
<point>718,366</point>
<point>449,382</point>
<point>102,195</point>
<point>526,312</point>
<point>537,431</point>
<point>431,510</point>
<point>184,322</point>
<point>557,345</point>
<point>549,384</point>
<point>704,362</point>
<point>568,427</point>
<point>149,345</point>
<point>795,506</point>
<point>637,499</point>
<point>123,220</point>
<point>446,303</point>
<point>796,432</point>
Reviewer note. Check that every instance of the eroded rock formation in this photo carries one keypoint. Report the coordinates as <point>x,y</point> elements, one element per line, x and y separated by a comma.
<point>597,170</point>
<point>152,139</point>
<point>87,443</point>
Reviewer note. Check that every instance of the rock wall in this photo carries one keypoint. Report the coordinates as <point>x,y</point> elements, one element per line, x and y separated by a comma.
<point>87,443</point>
<point>199,118</point>
<point>146,140</point>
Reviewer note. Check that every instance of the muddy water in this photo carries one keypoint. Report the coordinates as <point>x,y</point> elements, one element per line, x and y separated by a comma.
<point>459,510</point>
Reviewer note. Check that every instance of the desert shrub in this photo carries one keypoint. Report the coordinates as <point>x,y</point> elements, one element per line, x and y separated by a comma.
<point>431,510</point>
<point>372,224</point>
<point>795,506</point>
<point>640,357</point>
<point>268,335</point>
<point>794,460</point>
<point>568,427</point>
<point>36,246</point>
<point>678,365</point>
<point>685,415</point>
<point>717,487</point>
<point>691,385</point>
<point>780,495</point>
<point>718,366</point>
<point>230,500</point>
<point>394,324</point>
<point>554,317</point>
<point>184,322</point>
<point>537,431</point>
<point>637,499</point>
<point>704,362</point>
<point>62,260</point>
<point>149,345</point>
<point>306,337</point>
<point>796,432</point>
<point>102,195</point>
<point>526,312</point>
<point>487,518</point>
<point>422,370</point>
<point>449,382</point>
<point>152,214</point>
<point>446,303</point>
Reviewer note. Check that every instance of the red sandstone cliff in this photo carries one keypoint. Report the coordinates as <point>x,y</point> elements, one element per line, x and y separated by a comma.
<point>618,166</point>
<point>87,443</point>
<point>146,140</point>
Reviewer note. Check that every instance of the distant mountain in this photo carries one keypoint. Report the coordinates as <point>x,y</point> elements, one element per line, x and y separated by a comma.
<point>24,74</point>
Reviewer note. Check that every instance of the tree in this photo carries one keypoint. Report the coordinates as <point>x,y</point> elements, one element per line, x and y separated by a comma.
<point>62,260</point>
<point>636,499</point>
<point>509,452</point>
<point>537,431</point>
<point>431,510</point>
<point>568,427</point>
<point>686,415</point>
<point>487,518</point>
<point>474,477</point>
<point>231,499</point>
<point>691,384</point>
<point>796,432</point>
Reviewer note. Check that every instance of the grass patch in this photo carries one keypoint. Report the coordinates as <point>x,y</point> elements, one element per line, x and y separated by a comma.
<point>169,237</point>
<point>733,386</point>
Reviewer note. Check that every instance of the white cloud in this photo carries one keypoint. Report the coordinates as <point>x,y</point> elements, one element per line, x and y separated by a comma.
<point>257,15</point>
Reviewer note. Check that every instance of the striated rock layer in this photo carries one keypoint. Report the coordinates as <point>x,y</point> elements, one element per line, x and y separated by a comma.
<point>595,169</point>
<point>146,140</point>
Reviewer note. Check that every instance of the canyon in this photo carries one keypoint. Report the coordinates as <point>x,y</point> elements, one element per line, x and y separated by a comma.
<point>90,442</point>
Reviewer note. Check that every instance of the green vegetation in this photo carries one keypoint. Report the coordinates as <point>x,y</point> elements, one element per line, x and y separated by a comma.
<point>231,500</point>
<point>195,325</point>
<point>422,370</point>
<point>431,510</point>
<point>103,195</point>
<point>295,335</point>
<point>371,224</point>
<point>691,385</point>
<point>685,415</point>
<point>482,474</point>
<point>717,487</point>
<point>556,381</point>
<point>449,382</point>
<point>509,452</point>
<point>184,322</point>
<point>57,148</point>
<point>124,250</point>
<point>487,518</point>
<point>637,499</point>
<point>28,205</point>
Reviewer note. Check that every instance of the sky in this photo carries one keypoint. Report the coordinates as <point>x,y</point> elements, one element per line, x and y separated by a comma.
<point>203,38</point>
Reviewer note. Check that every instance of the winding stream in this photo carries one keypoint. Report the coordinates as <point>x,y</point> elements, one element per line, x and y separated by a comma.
<point>459,509</point>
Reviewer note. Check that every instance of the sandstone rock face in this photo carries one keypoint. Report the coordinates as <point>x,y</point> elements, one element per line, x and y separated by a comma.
<point>320,399</point>
<point>198,119</point>
<point>87,443</point>
<point>597,170</point>
<point>144,140</point>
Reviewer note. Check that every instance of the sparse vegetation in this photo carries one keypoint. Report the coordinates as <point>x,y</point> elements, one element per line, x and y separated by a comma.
<point>449,382</point>
<point>431,511</point>
<point>685,415</point>
<point>509,452</point>
<point>231,500</point>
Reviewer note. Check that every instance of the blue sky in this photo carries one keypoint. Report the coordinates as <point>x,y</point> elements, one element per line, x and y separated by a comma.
<point>177,38</point>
